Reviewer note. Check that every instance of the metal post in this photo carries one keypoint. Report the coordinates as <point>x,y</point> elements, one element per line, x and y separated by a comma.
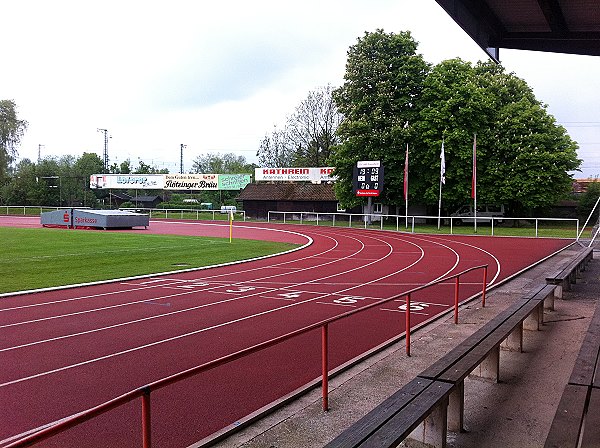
<point>484,288</point>
<point>325,368</point>
<point>407,315</point>
<point>456,299</point>
<point>146,430</point>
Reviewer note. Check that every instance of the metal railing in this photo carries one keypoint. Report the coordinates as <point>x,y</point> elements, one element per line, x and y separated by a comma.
<point>174,213</point>
<point>145,391</point>
<point>403,222</point>
<point>186,213</point>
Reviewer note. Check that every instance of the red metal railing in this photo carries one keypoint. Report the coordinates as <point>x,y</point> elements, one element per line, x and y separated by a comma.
<point>144,392</point>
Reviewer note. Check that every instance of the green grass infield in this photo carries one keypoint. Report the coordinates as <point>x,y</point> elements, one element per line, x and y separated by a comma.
<point>41,258</point>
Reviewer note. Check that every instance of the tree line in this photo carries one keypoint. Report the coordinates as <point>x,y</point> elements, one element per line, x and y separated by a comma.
<point>391,97</point>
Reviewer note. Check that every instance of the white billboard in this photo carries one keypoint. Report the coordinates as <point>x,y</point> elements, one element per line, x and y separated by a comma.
<point>322,174</point>
<point>187,182</point>
<point>128,181</point>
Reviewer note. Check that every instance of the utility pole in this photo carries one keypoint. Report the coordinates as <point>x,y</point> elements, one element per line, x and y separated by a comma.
<point>181,159</point>
<point>105,131</point>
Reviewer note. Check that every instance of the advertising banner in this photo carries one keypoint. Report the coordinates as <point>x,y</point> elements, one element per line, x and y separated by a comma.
<point>128,181</point>
<point>294,174</point>
<point>233,181</point>
<point>185,182</point>
<point>191,182</point>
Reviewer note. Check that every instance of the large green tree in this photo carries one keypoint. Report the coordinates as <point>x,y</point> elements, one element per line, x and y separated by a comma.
<point>526,154</point>
<point>11,131</point>
<point>378,100</point>
<point>391,98</point>
<point>453,108</point>
<point>523,156</point>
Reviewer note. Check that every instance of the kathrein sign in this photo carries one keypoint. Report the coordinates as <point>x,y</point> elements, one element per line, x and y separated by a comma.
<point>187,182</point>
<point>367,179</point>
<point>294,174</point>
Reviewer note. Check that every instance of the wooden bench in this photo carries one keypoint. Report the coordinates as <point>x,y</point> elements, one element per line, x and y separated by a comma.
<point>577,419</point>
<point>564,277</point>
<point>433,402</point>
<point>394,419</point>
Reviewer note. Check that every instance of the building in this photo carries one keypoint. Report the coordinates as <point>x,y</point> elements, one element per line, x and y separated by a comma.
<point>258,199</point>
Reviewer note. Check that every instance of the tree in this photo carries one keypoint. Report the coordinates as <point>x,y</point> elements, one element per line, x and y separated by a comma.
<point>308,136</point>
<point>216,163</point>
<point>528,155</point>
<point>391,97</point>
<point>312,128</point>
<point>453,108</point>
<point>122,168</point>
<point>275,150</point>
<point>588,200</point>
<point>11,131</point>
<point>378,100</point>
<point>144,168</point>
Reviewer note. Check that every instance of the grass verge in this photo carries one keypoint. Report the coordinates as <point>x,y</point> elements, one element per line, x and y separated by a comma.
<point>40,258</point>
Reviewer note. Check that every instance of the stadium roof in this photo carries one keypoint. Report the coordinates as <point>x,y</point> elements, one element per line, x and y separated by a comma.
<point>558,26</point>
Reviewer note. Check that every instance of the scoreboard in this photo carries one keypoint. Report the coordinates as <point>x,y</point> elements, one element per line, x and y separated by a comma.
<point>367,179</point>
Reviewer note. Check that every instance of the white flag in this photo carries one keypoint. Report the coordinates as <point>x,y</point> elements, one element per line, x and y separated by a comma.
<point>443,165</point>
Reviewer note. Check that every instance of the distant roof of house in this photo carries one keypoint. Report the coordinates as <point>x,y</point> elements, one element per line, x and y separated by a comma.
<point>287,192</point>
<point>121,195</point>
<point>146,198</point>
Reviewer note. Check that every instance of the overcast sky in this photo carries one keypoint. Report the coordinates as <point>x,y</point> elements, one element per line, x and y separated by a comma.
<point>217,76</point>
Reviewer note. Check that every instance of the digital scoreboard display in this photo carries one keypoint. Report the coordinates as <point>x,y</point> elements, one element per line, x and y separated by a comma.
<point>367,179</point>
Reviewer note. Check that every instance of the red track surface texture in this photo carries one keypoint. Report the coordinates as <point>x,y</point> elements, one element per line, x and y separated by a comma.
<point>65,351</point>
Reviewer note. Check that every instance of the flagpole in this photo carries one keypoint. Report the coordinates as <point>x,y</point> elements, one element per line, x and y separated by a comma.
<point>442,180</point>
<point>440,205</point>
<point>406,189</point>
<point>474,186</point>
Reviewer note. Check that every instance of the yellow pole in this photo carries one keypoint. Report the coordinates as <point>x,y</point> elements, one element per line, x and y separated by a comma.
<point>230,225</point>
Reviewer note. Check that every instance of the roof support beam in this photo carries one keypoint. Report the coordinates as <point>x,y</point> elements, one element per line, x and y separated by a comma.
<point>554,15</point>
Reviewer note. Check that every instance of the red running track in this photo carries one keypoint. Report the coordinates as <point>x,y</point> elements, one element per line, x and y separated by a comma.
<point>67,350</point>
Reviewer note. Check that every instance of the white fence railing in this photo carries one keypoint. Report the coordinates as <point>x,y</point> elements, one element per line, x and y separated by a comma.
<point>184,213</point>
<point>215,215</point>
<point>403,222</point>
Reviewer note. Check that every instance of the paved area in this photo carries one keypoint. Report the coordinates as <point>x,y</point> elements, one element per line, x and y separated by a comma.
<point>517,412</point>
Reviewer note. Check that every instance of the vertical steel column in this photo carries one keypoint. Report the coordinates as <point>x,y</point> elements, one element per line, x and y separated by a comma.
<point>456,284</point>
<point>407,316</point>
<point>484,288</point>
<point>324,368</point>
<point>146,430</point>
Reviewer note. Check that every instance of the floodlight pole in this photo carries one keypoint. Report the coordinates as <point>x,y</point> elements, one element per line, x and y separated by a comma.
<point>181,159</point>
<point>105,131</point>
